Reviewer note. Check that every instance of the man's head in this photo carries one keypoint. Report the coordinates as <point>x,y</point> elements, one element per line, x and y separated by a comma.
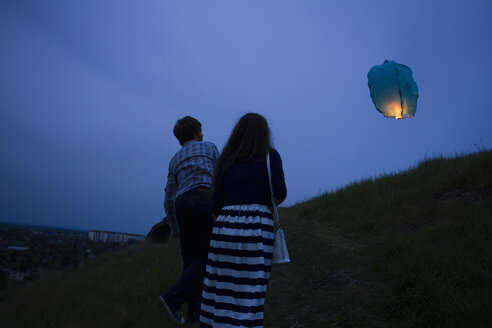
<point>187,129</point>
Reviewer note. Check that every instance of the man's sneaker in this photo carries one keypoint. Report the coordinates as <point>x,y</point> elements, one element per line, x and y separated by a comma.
<point>175,314</point>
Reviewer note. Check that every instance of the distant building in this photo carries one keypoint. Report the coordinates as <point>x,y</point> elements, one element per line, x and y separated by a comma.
<point>14,275</point>
<point>113,237</point>
<point>18,248</point>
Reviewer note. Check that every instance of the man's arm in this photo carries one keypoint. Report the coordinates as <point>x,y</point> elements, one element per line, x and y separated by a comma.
<point>169,208</point>
<point>170,195</point>
<point>171,217</point>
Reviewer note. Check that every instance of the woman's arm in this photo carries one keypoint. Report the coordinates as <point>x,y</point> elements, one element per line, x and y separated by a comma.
<point>278,179</point>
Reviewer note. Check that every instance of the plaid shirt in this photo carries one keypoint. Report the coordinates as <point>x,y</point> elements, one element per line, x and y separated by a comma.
<point>191,167</point>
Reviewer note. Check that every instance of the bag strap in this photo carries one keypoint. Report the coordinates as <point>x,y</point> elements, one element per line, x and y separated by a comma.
<point>274,205</point>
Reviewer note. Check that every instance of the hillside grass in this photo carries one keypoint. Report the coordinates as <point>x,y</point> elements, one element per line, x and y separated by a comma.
<point>409,249</point>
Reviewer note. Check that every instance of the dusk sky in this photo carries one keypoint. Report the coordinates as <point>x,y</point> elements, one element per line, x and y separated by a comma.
<point>90,92</point>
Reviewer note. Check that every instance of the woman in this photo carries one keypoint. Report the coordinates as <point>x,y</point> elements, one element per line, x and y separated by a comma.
<point>240,252</point>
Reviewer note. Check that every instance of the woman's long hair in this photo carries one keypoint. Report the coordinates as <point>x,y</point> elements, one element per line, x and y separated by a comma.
<point>250,136</point>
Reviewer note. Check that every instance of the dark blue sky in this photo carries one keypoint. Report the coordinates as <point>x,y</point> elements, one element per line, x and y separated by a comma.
<point>90,92</point>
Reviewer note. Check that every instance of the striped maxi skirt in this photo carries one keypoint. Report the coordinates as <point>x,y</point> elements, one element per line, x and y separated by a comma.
<point>238,267</point>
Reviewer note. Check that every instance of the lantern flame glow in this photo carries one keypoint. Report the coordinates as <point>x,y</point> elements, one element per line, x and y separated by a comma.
<point>393,90</point>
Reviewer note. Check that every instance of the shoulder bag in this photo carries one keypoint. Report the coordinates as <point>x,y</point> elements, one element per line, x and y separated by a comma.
<point>280,253</point>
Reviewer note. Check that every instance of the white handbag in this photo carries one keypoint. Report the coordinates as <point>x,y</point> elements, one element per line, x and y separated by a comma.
<point>280,253</point>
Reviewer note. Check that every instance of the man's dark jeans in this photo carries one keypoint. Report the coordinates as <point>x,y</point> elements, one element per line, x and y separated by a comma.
<point>195,219</point>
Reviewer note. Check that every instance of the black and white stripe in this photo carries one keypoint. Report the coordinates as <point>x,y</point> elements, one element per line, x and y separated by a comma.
<point>238,267</point>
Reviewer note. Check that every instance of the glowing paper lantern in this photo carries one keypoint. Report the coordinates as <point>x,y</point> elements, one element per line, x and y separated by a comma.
<point>393,89</point>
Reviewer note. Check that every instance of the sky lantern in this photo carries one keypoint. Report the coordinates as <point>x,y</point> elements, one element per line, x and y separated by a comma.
<point>393,90</point>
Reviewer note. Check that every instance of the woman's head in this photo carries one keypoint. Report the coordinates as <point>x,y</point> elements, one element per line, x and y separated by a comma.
<point>250,136</point>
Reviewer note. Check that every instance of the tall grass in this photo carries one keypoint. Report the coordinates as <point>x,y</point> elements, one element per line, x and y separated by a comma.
<point>409,249</point>
<point>114,290</point>
<point>392,251</point>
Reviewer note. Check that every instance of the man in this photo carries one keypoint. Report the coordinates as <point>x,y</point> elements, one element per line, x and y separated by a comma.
<point>189,198</point>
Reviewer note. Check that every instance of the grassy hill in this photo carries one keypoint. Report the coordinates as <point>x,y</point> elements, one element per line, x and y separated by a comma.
<point>410,249</point>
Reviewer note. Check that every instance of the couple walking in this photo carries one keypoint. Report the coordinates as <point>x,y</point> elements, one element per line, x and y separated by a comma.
<point>227,261</point>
